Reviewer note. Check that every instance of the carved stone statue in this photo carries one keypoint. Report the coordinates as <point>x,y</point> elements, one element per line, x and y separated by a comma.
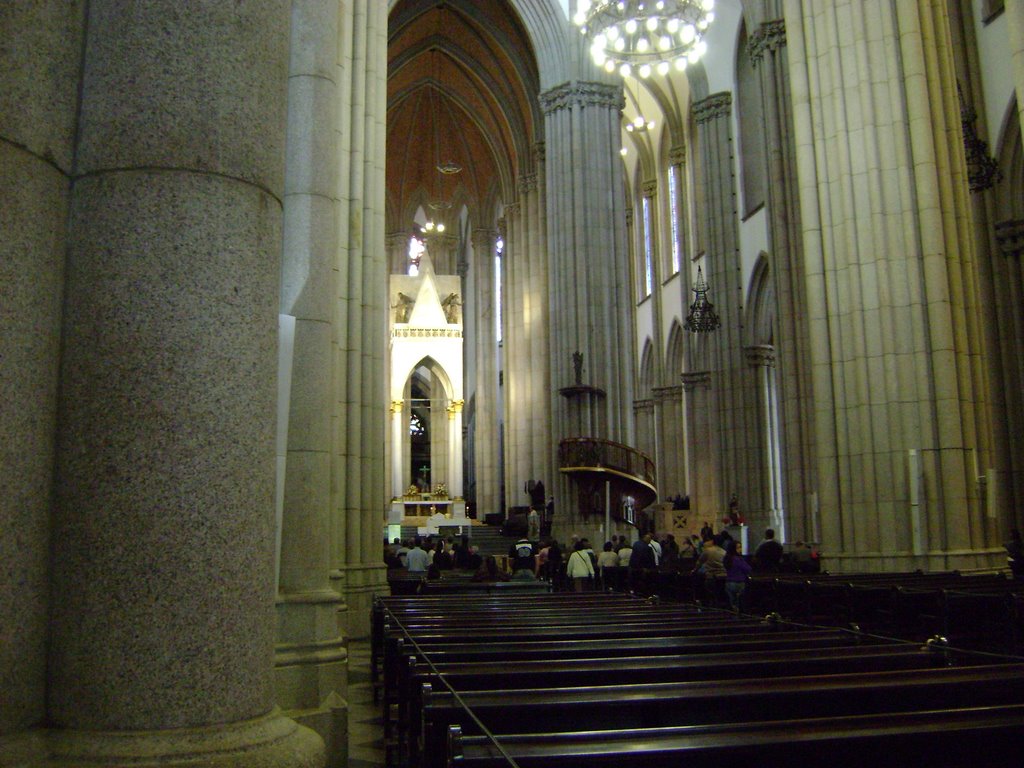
<point>577,364</point>
<point>403,309</point>
<point>451,306</point>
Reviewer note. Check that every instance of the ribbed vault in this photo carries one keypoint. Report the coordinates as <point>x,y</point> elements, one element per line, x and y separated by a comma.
<point>462,89</point>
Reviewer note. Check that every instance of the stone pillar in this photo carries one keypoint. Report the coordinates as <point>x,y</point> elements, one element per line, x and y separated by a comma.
<point>646,426</point>
<point>40,66</point>
<point>397,244</point>
<point>162,633</point>
<point>442,248</point>
<point>766,513</point>
<point>1015,26</point>
<point>892,300</point>
<point>310,654</point>
<point>532,193</point>
<point>440,442</point>
<point>486,443</point>
<point>515,379</point>
<point>668,402</point>
<point>736,415</point>
<point>397,436</point>
<point>361,323</point>
<point>454,410</point>
<point>767,49</point>
<point>999,288</point>
<point>706,488</point>
<point>591,302</point>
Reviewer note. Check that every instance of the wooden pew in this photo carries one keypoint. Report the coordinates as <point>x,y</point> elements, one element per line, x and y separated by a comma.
<point>508,607</point>
<point>509,602</point>
<point>497,654</point>
<point>953,738</point>
<point>714,702</point>
<point>984,618</point>
<point>463,677</point>
<point>665,625</point>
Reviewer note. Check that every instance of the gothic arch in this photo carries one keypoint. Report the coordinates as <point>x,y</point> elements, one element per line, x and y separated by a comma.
<point>1010,156</point>
<point>674,353</point>
<point>551,33</point>
<point>646,372</point>
<point>750,121</point>
<point>438,371</point>
<point>760,304</point>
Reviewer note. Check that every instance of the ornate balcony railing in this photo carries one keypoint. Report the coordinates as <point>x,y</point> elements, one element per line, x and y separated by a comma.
<point>593,461</point>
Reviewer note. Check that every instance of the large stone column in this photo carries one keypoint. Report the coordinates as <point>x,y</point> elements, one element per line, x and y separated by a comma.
<point>310,654</point>
<point>162,632</point>
<point>705,474</point>
<point>397,244</point>
<point>39,69</point>
<point>767,49</point>
<point>360,323</point>
<point>892,300</point>
<point>397,454</point>
<point>590,297</point>
<point>671,473</point>
<point>454,410</point>
<point>736,414</point>
<point>485,453</point>
<point>1015,26</point>
<point>515,377</point>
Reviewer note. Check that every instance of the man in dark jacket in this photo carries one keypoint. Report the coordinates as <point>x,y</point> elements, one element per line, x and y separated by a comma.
<point>768,554</point>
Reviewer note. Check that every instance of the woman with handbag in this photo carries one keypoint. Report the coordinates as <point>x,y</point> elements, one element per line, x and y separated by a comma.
<point>580,569</point>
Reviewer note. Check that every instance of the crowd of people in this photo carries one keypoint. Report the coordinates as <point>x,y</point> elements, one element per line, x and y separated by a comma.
<point>713,563</point>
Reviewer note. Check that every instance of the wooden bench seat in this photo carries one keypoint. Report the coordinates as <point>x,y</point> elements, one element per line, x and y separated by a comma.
<point>646,669</point>
<point>698,625</point>
<point>470,605</point>
<point>712,702</point>
<point>985,619</point>
<point>956,738</point>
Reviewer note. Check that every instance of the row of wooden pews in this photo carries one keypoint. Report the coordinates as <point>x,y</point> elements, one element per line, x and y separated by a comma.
<point>566,679</point>
<point>983,612</point>
<point>401,582</point>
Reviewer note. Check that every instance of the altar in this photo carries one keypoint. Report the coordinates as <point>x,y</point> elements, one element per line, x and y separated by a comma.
<point>434,509</point>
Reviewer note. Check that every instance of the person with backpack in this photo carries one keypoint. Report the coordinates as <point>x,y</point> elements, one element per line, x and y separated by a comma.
<point>523,559</point>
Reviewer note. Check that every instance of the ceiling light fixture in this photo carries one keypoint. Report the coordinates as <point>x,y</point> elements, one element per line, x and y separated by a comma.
<point>646,35</point>
<point>639,124</point>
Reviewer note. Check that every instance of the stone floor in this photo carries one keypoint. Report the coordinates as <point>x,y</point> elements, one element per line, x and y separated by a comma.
<point>365,731</point>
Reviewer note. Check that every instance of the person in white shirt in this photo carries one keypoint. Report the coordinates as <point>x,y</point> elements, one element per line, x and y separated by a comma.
<point>625,552</point>
<point>656,548</point>
<point>609,558</point>
<point>580,568</point>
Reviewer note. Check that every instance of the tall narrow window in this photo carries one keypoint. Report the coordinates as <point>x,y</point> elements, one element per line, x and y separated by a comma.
<point>416,248</point>
<point>673,212</point>
<point>648,285</point>
<point>499,248</point>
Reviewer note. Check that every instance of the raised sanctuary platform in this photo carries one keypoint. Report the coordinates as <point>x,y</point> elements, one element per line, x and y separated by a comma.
<point>433,510</point>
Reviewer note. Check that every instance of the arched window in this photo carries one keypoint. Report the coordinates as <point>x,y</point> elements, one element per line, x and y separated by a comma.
<point>648,254</point>
<point>416,425</point>
<point>676,251</point>
<point>416,249</point>
<point>499,249</point>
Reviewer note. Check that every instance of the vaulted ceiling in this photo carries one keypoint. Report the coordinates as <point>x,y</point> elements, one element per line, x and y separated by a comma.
<point>462,89</point>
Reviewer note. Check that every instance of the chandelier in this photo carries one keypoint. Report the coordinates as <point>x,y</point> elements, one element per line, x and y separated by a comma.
<point>702,317</point>
<point>648,35</point>
<point>639,123</point>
